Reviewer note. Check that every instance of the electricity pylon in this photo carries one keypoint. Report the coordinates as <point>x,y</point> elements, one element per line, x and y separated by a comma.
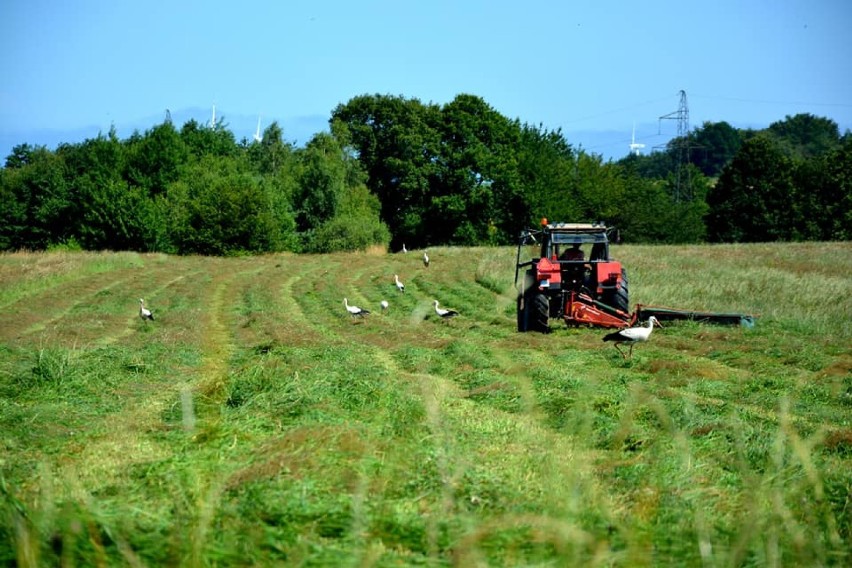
<point>680,148</point>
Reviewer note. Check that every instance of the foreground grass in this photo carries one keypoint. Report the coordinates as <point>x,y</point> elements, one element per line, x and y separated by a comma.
<point>255,423</point>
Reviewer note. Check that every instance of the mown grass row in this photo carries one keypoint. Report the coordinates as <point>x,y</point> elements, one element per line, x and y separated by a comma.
<point>255,422</point>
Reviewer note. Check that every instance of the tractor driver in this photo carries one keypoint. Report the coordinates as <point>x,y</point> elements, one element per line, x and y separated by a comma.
<point>573,253</point>
<point>575,272</point>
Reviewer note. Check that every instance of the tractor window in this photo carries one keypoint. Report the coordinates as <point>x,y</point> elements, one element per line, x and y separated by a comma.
<point>572,238</point>
<point>598,252</point>
<point>573,252</point>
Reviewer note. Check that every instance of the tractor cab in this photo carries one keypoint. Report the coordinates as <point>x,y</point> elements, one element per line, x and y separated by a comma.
<point>578,249</point>
<point>570,267</point>
<point>575,242</point>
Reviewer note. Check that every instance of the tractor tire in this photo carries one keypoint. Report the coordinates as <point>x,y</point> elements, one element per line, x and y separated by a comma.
<point>540,313</point>
<point>533,312</point>
<point>621,298</point>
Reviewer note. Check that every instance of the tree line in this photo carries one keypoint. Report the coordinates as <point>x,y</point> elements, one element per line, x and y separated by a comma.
<point>394,170</point>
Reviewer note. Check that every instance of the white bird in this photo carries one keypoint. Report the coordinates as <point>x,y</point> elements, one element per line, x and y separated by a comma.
<point>384,304</point>
<point>399,285</point>
<point>632,335</point>
<point>144,312</point>
<point>445,314</point>
<point>425,259</point>
<point>404,250</point>
<point>354,310</point>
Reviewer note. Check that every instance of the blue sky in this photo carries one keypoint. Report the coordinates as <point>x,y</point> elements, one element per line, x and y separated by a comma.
<point>592,68</point>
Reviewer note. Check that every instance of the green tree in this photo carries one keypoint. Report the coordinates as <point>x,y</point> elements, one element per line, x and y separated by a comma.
<point>154,160</point>
<point>20,156</point>
<point>716,143</point>
<point>321,182</point>
<point>805,136</point>
<point>203,141</point>
<point>398,143</point>
<point>111,214</point>
<point>656,165</point>
<point>754,198</point>
<point>271,154</point>
<point>16,197</point>
<point>478,198</point>
<point>824,194</point>
<point>356,226</point>
<point>599,190</point>
<point>548,174</point>
<point>644,212</point>
<point>14,209</point>
<point>38,208</point>
<point>218,209</point>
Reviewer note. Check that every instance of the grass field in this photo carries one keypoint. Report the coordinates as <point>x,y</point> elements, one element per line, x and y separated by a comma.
<point>254,422</point>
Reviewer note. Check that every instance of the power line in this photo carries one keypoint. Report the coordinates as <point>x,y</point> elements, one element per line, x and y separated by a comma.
<point>765,102</point>
<point>613,111</point>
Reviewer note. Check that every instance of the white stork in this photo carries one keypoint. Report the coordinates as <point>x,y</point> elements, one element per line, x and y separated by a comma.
<point>384,304</point>
<point>399,285</point>
<point>354,310</point>
<point>404,250</point>
<point>144,312</point>
<point>425,259</point>
<point>632,335</point>
<point>445,314</point>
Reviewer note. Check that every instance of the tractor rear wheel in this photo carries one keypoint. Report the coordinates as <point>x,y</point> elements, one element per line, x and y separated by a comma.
<point>533,307</point>
<point>621,298</point>
<point>533,312</point>
<point>541,310</point>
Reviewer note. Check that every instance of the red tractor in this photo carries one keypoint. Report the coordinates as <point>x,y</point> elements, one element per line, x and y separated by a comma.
<point>585,287</point>
<point>572,278</point>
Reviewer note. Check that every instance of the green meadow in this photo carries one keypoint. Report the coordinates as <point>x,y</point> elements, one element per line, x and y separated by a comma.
<point>255,422</point>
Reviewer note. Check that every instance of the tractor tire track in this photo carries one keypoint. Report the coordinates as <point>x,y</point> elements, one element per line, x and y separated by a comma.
<point>129,321</point>
<point>218,344</point>
<point>129,440</point>
<point>48,309</point>
<point>285,323</point>
<point>320,307</point>
<point>43,273</point>
<point>766,414</point>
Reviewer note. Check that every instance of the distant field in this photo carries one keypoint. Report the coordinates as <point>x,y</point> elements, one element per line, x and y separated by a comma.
<point>254,422</point>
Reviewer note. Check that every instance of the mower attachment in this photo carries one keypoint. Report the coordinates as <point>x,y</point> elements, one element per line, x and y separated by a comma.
<point>671,314</point>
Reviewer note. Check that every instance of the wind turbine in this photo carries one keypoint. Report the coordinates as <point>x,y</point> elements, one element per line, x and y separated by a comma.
<point>634,147</point>
<point>257,136</point>
<point>213,118</point>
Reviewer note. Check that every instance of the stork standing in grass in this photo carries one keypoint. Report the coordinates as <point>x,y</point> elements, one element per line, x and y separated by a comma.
<point>425,259</point>
<point>632,335</point>
<point>355,311</point>
<point>399,285</point>
<point>404,250</point>
<point>444,313</point>
<point>384,304</point>
<point>144,312</point>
